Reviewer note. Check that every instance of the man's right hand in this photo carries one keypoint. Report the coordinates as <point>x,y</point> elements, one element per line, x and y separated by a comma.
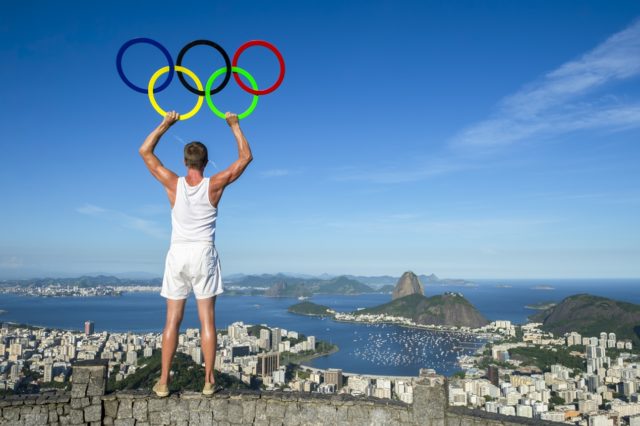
<point>170,118</point>
<point>232,119</point>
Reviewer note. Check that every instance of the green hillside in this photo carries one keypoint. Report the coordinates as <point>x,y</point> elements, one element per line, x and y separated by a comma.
<point>309,308</point>
<point>590,315</point>
<point>450,309</point>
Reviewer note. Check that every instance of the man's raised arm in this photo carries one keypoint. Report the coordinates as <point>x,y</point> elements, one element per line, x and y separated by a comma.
<point>165,176</point>
<point>234,171</point>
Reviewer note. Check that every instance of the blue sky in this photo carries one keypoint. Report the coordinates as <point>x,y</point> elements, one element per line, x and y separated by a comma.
<point>469,139</point>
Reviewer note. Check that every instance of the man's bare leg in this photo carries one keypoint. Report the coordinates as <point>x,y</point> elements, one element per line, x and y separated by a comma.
<point>175,312</point>
<point>206,312</point>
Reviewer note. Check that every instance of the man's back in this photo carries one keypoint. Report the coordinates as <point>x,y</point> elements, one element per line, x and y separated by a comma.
<point>193,218</point>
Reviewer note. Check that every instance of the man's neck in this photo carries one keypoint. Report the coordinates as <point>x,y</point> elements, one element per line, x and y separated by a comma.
<point>193,176</point>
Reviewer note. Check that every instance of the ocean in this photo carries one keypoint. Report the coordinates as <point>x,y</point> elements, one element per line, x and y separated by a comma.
<point>368,349</point>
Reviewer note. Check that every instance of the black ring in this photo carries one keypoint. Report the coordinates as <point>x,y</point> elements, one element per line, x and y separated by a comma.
<point>216,46</point>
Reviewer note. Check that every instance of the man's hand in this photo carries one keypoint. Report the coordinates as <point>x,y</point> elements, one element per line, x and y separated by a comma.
<point>232,119</point>
<point>170,118</point>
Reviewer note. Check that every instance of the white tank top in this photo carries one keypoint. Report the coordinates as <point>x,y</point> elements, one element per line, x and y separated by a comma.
<point>193,218</point>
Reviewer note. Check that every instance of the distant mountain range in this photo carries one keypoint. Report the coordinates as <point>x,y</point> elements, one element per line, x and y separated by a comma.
<point>376,282</point>
<point>307,287</point>
<point>83,281</point>
<point>590,315</point>
<point>255,280</point>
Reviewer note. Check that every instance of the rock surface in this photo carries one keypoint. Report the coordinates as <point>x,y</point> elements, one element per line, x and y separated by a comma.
<point>407,284</point>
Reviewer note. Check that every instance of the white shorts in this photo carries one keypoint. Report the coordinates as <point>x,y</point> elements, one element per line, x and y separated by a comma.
<point>191,266</point>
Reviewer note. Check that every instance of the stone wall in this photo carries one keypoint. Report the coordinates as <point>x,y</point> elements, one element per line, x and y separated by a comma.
<point>87,404</point>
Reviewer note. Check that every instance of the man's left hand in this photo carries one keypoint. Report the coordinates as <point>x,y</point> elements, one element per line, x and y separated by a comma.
<point>170,118</point>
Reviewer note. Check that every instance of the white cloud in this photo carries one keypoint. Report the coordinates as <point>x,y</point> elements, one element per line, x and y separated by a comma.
<point>558,104</point>
<point>11,262</point>
<point>567,99</point>
<point>276,172</point>
<point>124,220</point>
<point>407,173</point>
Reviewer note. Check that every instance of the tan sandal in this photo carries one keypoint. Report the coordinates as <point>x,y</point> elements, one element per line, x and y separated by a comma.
<point>211,388</point>
<point>161,390</point>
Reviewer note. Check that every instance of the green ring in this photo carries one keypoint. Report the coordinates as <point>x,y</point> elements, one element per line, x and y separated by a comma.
<point>207,92</point>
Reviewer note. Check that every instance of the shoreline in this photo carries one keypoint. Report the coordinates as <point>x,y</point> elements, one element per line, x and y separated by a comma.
<point>419,327</point>
<point>310,357</point>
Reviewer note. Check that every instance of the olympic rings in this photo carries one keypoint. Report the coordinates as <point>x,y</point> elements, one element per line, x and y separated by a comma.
<point>152,99</point>
<point>215,75</point>
<point>227,64</point>
<point>153,43</point>
<point>280,60</point>
<point>231,67</point>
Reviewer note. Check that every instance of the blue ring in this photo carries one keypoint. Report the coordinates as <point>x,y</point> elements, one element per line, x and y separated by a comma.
<point>153,43</point>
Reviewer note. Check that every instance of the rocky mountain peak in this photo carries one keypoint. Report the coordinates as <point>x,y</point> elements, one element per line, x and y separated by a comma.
<point>407,284</point>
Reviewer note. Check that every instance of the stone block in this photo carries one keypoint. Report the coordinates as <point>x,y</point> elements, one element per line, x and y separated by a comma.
<point>124,422</point>
<point>220,409</point>
<point>125,409</point>
<point>429,402</point>
<point>25,409</point>
<point>261,411</point>
<point>160,418</point>
<point>107,420</point>
<point>275,409</point>
<point>156,404</point>
<point>79,390</point>
<point>308,413</point>
<point>53,415</point>
<point>80,375</point>
<point>357,413</point>
<point>111,408</point>
<point>206,418</point>
<point>34,419</point>
<point>234,411</point>
<point>76,417</point>
<point>180,411</point>
<point>93,413</point>
<point>96,386</point>
<point>77,403</point>
<point>140,410</point>
<point>248,411</point>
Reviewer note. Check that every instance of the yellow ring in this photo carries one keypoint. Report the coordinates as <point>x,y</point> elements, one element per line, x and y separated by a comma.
<point>188,72</point>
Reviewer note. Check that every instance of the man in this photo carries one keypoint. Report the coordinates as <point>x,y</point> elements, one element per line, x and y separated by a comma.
<point>192,260</point>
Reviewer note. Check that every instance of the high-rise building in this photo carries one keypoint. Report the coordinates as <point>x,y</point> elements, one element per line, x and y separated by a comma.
<point>48,372</point>
<point>132,357</point>
<point>276,337</point>
<point>492,375</point>
<point>267,363</point>
<point>15,370</point>
<point>196,355</point>
<point>88,328</point>
<point>265,339</point>
<point>334,376</point>
<point>239,351</point>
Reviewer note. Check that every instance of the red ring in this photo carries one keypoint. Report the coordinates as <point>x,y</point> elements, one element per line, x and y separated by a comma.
<point>268,46</point>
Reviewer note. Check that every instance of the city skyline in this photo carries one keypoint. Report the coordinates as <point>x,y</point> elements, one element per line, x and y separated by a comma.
<point>505,146</point>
